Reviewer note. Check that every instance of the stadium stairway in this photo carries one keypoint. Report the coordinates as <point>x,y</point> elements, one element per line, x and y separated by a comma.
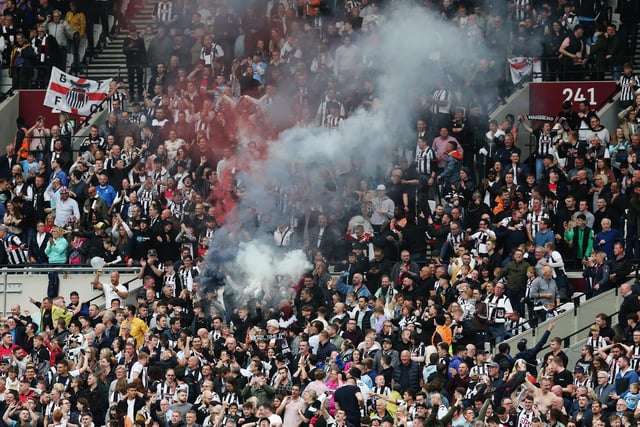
<point>111,62</point>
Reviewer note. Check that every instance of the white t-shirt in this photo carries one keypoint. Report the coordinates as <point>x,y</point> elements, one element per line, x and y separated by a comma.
<point>275,420</point>
<point>110,294</point>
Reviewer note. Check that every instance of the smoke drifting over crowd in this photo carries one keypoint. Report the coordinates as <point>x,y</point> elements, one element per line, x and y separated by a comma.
<point>305,169</point>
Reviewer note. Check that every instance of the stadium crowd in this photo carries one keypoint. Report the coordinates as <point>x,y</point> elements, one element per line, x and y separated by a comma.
<point>458,240</point>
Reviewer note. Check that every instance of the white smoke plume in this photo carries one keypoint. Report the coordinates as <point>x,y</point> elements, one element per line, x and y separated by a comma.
<point>415,51</point>
<point>270,273</point>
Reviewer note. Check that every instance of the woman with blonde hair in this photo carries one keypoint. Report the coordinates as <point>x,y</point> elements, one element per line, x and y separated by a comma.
<point>129,150</point>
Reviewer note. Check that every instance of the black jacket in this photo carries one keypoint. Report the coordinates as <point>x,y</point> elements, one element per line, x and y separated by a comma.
<point>529,354</point>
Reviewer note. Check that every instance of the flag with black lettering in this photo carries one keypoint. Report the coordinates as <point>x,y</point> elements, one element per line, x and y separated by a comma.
<point>75,95</point>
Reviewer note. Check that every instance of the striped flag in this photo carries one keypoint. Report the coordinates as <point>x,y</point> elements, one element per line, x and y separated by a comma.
<point>75,95</point>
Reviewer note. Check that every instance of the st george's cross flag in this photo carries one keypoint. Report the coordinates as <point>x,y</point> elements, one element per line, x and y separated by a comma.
<point>75,95</point>
<point>522,67</point>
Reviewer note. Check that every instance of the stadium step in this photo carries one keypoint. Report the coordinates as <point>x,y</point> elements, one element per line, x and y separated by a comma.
<point>111,62</point>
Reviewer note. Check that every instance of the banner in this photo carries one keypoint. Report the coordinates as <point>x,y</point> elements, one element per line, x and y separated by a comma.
<point>522,67</point>
<point>75,95</point>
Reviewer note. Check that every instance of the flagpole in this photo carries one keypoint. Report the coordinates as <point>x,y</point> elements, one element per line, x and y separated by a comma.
<point>99,108</point>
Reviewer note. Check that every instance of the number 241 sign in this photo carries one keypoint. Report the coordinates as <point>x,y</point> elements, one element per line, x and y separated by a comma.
<point>548,97</point>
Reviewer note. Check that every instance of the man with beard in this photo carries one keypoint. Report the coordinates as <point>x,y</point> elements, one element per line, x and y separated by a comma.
<point>378,267</point>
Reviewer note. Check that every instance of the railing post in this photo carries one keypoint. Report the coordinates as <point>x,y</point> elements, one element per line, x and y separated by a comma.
<point>6,278</point>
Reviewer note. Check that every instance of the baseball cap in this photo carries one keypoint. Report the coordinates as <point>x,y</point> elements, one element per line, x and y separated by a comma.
<point>381,187</point>
<point>152,252</point>
<point>64,190</point>
<point>492,365</point>
<point>387,339</point>
<point>578,369</point>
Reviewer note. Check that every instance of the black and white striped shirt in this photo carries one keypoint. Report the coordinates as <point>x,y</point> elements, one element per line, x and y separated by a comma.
<point>534,219</point>
<point>454,241</point>
<point>634,360</point>
<point>12,247</point>
<point>333,122</point>
<point>187,277</point>
<point>584,383</point>
<point>425,160</point>
<point>627,92</point>
<point>545,142</point>
<point>117,96</point>
<point>164,12</point>
<point>440,95</point>
<point>145,198</point>
<point>614,369</point>
<point>517,327</point>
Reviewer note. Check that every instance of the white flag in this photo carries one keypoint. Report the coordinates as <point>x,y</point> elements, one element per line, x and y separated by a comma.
<point>75,95</point>
<point>522,67</point>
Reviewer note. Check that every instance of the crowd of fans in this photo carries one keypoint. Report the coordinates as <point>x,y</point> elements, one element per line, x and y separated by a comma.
<point>458,240</point>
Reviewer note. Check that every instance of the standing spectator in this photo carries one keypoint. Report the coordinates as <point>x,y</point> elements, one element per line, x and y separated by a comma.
<point>407,373</point>
<point>515,273</point>
<point>78,24</point>
<point>23,59</point>
<point>451,174</point>
<point>225,32</point>
<point>47,51</point>
<point>56,251</point>
<point>597,274</point>
<point>543,291</point>
<point>12,248</point>
<point>382,208</point>
<point>59,29</point>
<point>346,58</point>
<point>439,145</point>
<point>349,399</point>
<point>134,50</point>
<point>573,53</point>
<point>159,48</point>
<point>605,238</point>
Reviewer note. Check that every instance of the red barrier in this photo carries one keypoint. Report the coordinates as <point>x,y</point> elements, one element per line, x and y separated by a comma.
<point>547,98</point>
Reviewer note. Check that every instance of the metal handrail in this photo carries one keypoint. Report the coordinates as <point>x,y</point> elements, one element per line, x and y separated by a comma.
<point>567,340</point>
<point>115,71</point>
<point>62,267</point>
<point>13,270</point>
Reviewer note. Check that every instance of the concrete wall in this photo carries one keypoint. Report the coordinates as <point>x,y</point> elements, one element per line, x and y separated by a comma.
<point>8,114</point>
<point>568,323</point>
<point>517,103</point>
<point>609,115</point>
<point>9,111</point>
<point>19,287</point>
